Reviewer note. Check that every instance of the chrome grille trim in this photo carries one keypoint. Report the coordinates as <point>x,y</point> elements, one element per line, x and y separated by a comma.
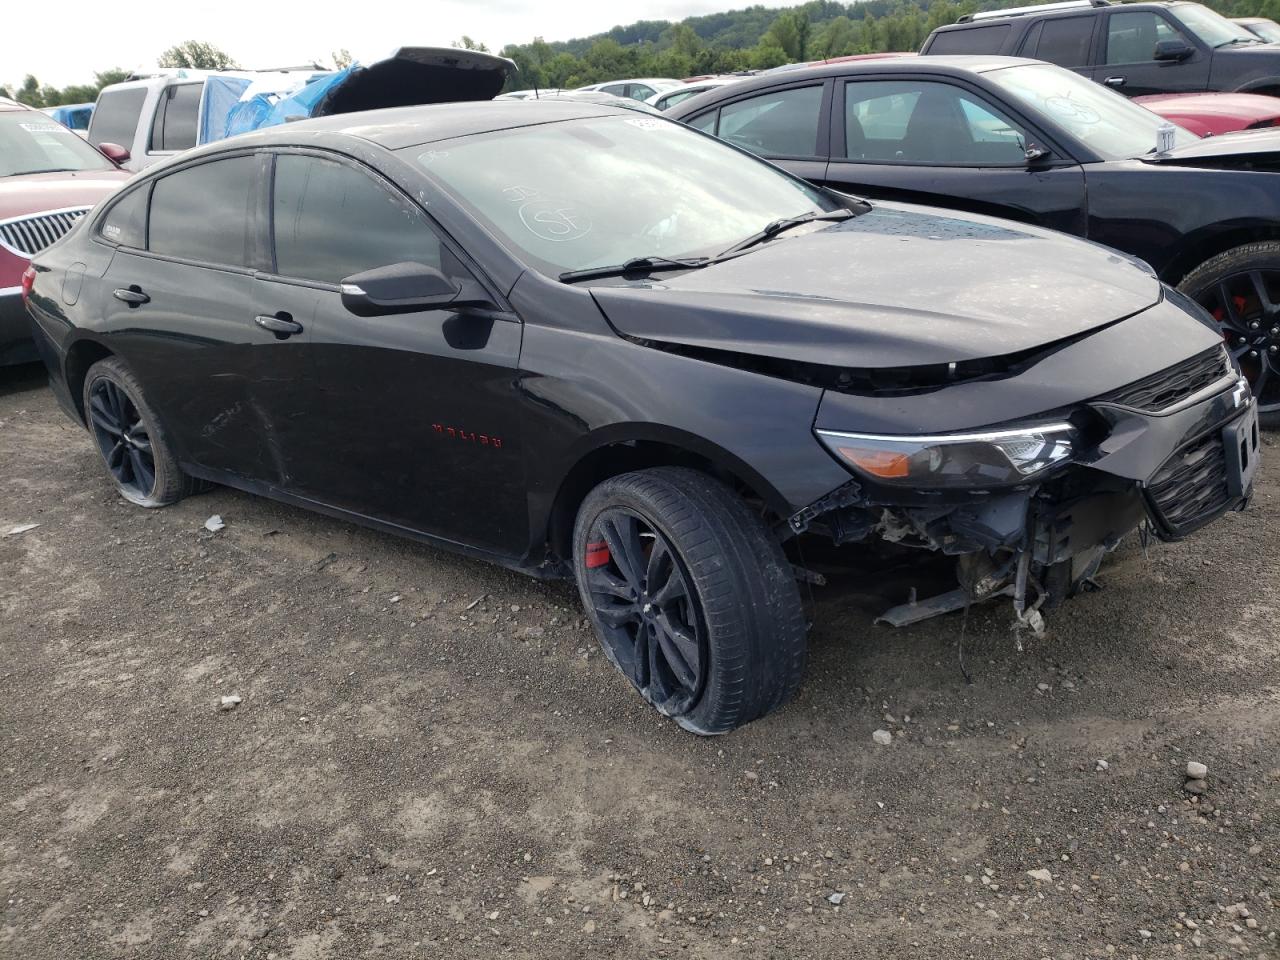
<point>27,235</point>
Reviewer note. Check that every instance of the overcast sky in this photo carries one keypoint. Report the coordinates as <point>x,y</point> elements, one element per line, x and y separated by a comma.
<point>84,36</point>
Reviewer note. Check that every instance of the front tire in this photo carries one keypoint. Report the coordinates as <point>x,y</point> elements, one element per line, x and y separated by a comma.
<point>1241,289</point>
<point>127,434</point>
<point>691,597</point>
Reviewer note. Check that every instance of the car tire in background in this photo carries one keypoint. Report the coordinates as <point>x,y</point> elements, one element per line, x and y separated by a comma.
<point>690,596</point>
<point>128,435</point>
<point>1241,289</point>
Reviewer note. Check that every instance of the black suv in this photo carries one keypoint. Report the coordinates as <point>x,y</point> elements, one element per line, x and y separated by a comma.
<point>1136,48</point>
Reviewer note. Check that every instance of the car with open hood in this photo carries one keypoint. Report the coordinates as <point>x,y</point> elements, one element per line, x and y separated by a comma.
<point>587,343</point>
<point>157,116</point>
<point>49,179</point>
<point>1033,142</point>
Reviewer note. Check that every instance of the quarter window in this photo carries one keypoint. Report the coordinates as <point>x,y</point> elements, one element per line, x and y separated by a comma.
<point>125,222</point>
<point>115,117</point>
<point>969,40</point>
<point>783,123</point>
<point>1132,37</point>
<point>927,123</point>
<point>204,212</point>
<point>332,220</point>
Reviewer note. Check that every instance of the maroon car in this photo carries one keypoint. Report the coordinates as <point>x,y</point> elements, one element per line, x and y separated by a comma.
<point>1211,114</point>
<point>49,178</point>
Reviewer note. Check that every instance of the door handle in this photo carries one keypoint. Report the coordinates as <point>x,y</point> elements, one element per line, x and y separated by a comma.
<point>132,296</point>
<point>1115,81</point>
<point>281,324</point>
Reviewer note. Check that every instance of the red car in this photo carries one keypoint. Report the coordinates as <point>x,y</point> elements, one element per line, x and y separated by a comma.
<point>49,178</point>
<point>1207,114</point>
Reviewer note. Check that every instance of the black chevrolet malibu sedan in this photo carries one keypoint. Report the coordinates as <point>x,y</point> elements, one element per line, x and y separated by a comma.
<point>582,342</point>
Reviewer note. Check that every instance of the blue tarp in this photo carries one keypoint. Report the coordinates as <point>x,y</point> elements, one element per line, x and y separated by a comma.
<point>73,115</point>
<point>221,94</point>
<point>271,108</point>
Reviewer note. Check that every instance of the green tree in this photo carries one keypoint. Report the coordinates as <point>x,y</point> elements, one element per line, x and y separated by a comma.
<point>29,93</point>
<point>197,55</point>
<point>466,43</point>
<point>838,38</point>
<point>341,58</point>
<point>790,31</point>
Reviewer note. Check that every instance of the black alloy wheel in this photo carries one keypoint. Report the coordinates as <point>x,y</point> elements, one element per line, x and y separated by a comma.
<point>122,438</point>
<point>649,618</point>
<point>1241,290</point>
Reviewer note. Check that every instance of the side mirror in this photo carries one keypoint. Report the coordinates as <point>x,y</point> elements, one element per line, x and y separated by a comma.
<point>114,152</point>
<point>1175,50</point>
<point>1035,153</point>
<point>403,288</point>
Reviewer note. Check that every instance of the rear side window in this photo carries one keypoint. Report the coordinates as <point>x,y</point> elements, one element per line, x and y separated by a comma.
<point>174,127</point>
<point>1061,40</point>
<point>332,221</point>
<point>125,222</point>
<point>783,123</point>
<point>988,39</point>
<point>204,212</point>
<point>115,118</point>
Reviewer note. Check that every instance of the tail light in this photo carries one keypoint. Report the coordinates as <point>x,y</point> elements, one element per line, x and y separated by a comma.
<point>28,281</point>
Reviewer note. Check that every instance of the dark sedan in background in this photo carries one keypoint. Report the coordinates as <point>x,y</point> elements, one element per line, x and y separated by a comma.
<point>580,341</point>
<point>1039,144</point>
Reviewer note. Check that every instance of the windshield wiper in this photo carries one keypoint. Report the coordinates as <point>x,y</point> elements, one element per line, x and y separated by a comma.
<point>771,230</point>
<point>27,173</point>
<point>1227,43</point>
<point>636,265</point>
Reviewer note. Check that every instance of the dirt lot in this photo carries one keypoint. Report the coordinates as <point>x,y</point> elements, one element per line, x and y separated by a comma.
<point>433,760</point>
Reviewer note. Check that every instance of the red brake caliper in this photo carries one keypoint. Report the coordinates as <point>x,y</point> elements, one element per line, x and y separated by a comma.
<point>597,554</point>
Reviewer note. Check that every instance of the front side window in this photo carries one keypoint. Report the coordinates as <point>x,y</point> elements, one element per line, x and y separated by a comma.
<point>1114,127</point>
<point>598,191</point>
<point>783,123</point>
<point>1210,26</point>
<point>331,221</point>
<point>204,212</point>
<point>1132,37</point>
<point>31,142</point>
<point>1061,40</point>
<point>913,121</point>
<point>115,117</point>
<point>174,127</point>
<point>640,91</point>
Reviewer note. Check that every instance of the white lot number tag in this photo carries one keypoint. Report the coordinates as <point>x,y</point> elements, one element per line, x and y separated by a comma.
<point>1164,137</point>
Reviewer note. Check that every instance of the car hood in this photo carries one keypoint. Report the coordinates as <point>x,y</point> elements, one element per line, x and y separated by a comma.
<point>899,286</point>
<point>1228,150</point>
<point>416,75</point>
<point>39,192</point>
<point>1246,107</point>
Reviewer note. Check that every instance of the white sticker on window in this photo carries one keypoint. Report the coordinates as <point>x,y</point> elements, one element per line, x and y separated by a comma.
<point>645,123</point>
<point>37,127</point>
<point>111,231</point>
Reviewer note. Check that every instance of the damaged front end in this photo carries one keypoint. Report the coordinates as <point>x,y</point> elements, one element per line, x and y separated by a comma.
<point>1030,510</point>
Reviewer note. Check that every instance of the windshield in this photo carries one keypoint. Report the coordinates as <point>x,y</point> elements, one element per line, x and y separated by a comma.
<point>600,191</point>
<point>1267,30</point>
<point>1213,28</point>
<point>30,142</point>
<point>1114,127</point>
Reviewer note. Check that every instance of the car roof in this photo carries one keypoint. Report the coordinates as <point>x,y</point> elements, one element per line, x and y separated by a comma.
<point>1030,15</point>
<point>398,127</point>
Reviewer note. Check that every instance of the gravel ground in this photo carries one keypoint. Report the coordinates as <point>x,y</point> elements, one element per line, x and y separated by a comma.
<point>432,759</point>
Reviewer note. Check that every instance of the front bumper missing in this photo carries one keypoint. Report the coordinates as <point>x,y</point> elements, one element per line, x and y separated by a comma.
<point>1171,473</point>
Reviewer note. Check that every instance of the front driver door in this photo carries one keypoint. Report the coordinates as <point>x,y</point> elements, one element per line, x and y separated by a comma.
<point>933,142</point>
<point>1128,58</point>
<point>419,410</point>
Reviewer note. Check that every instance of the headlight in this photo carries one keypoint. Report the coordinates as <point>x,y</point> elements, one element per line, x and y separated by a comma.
<point>962,460</point>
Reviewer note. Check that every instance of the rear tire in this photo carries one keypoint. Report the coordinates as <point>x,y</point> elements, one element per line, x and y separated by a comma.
<point>129,438</point>
<point>1240,288</point>
<point>691,597</point>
